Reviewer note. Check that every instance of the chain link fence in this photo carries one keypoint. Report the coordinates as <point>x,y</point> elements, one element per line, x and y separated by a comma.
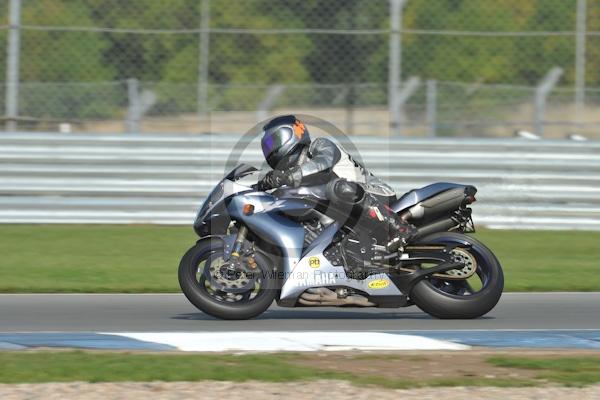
<point>375,67</point>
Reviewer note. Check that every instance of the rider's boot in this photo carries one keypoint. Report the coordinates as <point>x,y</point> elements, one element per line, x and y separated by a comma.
<point>399,232</point>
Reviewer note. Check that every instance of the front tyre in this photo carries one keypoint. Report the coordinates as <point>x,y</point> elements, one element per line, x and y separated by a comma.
<point>204,279</point>
<point>461,299</point>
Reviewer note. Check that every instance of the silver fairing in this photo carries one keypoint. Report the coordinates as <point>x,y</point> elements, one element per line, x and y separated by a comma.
<point>314,270</point>
<point>268,222</point>
<point>300,269</point>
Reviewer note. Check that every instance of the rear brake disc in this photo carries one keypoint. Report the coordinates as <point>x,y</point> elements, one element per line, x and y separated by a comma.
<point>458,255</point>
<point>464,257</point>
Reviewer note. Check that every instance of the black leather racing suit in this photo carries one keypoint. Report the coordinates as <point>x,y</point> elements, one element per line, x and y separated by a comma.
<point>349,185</point>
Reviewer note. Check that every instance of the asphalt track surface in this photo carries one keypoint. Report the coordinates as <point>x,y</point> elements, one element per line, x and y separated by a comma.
<point>172,313</point>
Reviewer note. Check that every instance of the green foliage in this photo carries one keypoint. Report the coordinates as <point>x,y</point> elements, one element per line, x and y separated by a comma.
<point>242,65</point>
<point>508,59</point>
<point>150,57</point>
<point>593,44</point>
<point>71,101</point>
<point>61,56</point>
<point>64,57</point>
<point>237,58</point>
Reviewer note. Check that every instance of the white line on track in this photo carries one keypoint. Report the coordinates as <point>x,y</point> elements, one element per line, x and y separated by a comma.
<point>292,341</point>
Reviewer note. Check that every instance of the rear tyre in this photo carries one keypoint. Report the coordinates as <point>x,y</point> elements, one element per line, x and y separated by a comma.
<point>224,304</point>
<point>455,299</point>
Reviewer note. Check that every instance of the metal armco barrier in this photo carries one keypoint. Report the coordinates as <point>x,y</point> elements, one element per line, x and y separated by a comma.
<point>152,179</point>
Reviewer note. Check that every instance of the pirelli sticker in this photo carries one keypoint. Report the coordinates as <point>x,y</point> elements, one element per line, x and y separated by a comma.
<point>379,284</point>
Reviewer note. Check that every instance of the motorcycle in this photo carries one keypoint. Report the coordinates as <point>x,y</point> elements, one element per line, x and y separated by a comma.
<point>259,246</point>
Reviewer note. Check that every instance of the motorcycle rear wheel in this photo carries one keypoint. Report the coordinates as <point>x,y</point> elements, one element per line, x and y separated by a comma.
<point>221,304</point>
<point>457,299</point>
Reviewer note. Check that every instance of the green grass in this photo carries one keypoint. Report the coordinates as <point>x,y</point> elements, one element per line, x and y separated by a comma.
<point>570,371</point>
<point>68,366</point>
<point>94,258</point>
<point>111,258</point>
<point>118,367</point>
<point>546,260</point>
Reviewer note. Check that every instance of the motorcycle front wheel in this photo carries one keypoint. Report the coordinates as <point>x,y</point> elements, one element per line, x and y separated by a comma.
<point>210,286</point>
<point>461,299</point>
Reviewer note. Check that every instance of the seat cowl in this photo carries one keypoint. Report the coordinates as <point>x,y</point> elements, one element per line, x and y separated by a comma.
<point>417,195</point>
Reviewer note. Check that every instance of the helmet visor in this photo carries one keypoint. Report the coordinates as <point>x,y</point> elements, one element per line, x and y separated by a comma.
<point>275,140</point>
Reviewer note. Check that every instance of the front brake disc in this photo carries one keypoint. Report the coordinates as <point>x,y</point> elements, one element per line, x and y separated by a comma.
<point>222,278</point>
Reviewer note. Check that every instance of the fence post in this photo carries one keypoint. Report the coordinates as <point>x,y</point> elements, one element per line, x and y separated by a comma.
<point>134,106</point>
<point>541,95</point>
<point>204,53</point>
<point>395,66</point>
<point>580,59</point>
<point>432,107</point>
<point>12,65</point>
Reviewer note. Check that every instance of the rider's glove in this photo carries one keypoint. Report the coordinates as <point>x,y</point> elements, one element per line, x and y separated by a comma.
<point>277,178</point>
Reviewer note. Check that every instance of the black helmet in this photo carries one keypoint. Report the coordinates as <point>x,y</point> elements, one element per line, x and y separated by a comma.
<point>283,140</point>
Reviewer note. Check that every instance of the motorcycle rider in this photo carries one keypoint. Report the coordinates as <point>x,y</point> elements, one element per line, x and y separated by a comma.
<point>296,161</point>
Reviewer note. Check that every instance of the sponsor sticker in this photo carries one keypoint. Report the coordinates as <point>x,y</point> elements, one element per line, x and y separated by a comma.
<point>314,262</point>
<point>379,284</point>
<point>315,279</point>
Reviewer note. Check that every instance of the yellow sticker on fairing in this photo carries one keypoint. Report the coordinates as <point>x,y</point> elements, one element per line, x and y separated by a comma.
<point>379,284</point>
<point>314,262</point>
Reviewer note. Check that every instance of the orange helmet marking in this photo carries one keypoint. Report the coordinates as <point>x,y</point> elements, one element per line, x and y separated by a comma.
<point>299,129</point>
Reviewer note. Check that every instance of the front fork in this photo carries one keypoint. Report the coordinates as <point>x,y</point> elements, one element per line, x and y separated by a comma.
<point>236,251</point>
<point>239,241</point>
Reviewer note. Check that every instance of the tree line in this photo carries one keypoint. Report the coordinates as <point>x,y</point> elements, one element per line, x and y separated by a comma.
<point>299,57</point>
